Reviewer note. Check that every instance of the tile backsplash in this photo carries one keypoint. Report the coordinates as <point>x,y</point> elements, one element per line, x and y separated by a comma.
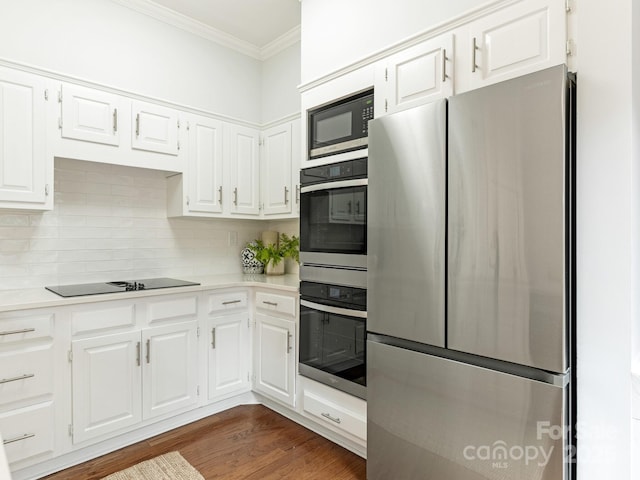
<point>109,223</point>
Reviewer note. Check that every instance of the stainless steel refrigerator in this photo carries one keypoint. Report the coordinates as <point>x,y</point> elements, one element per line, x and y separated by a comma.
<point>470,285</point>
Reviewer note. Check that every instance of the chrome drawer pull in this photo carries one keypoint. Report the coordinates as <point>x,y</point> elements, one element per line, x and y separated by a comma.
<point>213,337</point>
<point>15,332</point>
<point>333,419</point>
<point>17,439</point>
<point>289,341</point>
<point>229,302</point>
<point>15,379</point>
<point>273,304</point>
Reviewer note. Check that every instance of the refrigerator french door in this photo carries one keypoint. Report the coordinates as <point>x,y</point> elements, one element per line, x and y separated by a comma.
<point>471,285</point>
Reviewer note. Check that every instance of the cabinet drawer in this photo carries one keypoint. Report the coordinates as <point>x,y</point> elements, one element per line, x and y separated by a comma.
<point>104,318</point>
<point>335,416</point>
<point>222,302</point>
<point>173,309</point>
<point>276,303</point>
<point>18,329</point>
<point>28,432</point>
<point>26,374</point>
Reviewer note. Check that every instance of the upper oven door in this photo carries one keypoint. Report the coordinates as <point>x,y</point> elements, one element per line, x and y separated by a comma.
<point>333,218</point>
<point>341,126</point>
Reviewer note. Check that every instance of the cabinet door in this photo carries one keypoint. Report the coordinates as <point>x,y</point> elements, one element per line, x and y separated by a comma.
<point>228,354</point>
<point>170,368</point>
<point>155,128</point>
<point>275,358</point>
<point>90,115</point>
<point>244,168</point>
<point>523,38</point>
<point>25,167</point>
<point>276,170</point>
<point>205,165</point>
<point>106,384</point>
<point>414,76</point>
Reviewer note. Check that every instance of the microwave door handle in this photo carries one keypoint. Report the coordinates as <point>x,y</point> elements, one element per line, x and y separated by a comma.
<point>359,182</point>
<point>337,310</point>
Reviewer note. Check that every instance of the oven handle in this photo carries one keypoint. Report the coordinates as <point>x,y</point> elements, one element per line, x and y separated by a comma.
<point>358,182</point>
<point>337,310</point>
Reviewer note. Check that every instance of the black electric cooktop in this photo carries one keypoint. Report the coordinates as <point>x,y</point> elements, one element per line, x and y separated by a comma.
<point>82,289</point>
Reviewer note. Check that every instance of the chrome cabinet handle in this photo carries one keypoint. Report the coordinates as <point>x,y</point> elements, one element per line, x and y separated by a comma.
<point>235,196</point>
<point>137,125</point>
<point>286,195</point>
<point>213,337</point>
<point>229,302</point>
<point>273,304</point>
<point>15,379</point>
<point>16,332</point>
<point>444,65</point>
<point>333,419</point>
<point>473,55</point>
<point>220,195</point>
<point>289,341</point>
<point>138,354</point>
<point>297,193</point>
<point>17,439</point>
<point>148,350</point>
<point>115,120</point>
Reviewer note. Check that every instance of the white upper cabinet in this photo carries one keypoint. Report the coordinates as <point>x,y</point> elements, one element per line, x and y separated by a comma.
<point>520,39</point>
<point>100,126</point>
<point>243,161</point>
<point>26,167</point>
<point>276,170</point>
<point>155,128</point>
<point>90,115</point>
<point>204,165</point>
<point>414,76</point>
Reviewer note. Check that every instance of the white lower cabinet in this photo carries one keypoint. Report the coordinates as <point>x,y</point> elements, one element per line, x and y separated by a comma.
<point>27,375</point>
<point>275,358</point>
<point>123,378</point>
<point>170,366</point>
<point>107,384</point>
<point>228,355</point>
<point>335,410</point>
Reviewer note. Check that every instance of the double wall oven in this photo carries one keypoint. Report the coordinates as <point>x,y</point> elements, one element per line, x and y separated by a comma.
<point>333,249</point>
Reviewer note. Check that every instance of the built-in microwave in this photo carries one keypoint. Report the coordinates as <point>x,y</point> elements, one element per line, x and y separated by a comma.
<point>340,126</point>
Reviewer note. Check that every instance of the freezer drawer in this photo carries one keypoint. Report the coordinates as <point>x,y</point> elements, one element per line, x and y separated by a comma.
<point>431,418</point>
<point>406,224</point>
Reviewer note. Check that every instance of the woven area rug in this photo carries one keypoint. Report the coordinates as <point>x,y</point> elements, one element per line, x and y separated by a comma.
<point>170,466</point>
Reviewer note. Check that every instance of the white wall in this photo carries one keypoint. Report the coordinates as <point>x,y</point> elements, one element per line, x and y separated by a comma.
<point>280,80</point>
<point>110,223</point>
<point>607,219</point>
<point>336,33</point>
<point>104,42</point>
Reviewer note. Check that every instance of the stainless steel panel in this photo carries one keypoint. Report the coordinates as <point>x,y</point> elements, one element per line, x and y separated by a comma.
<point>333,275</point>
<point>507,226</point>
<point>338,147</point>
<point>430,418</point>
<point>406,224</point>
<point>334,259</point>
<point>352,388</point>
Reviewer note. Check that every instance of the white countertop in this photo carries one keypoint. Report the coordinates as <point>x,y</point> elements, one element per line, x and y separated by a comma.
<point>23,299</point>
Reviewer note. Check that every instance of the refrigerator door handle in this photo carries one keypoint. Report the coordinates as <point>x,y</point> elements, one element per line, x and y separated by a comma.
<point>337,310</point>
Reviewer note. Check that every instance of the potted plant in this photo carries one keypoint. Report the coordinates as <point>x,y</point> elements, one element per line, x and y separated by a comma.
<point>272,255</point>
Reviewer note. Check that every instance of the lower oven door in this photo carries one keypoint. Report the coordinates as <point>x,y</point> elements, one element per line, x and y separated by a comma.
<point>333,346</point>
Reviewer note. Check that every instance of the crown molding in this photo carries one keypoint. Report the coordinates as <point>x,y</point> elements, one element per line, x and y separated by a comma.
<point>188,24</point>
<point>284,41</point>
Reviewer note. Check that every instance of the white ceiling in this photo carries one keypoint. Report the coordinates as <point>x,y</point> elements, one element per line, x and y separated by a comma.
<point>258,22</point>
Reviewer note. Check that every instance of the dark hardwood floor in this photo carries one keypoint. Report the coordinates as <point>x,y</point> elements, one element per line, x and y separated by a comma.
<point>246,442</point>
